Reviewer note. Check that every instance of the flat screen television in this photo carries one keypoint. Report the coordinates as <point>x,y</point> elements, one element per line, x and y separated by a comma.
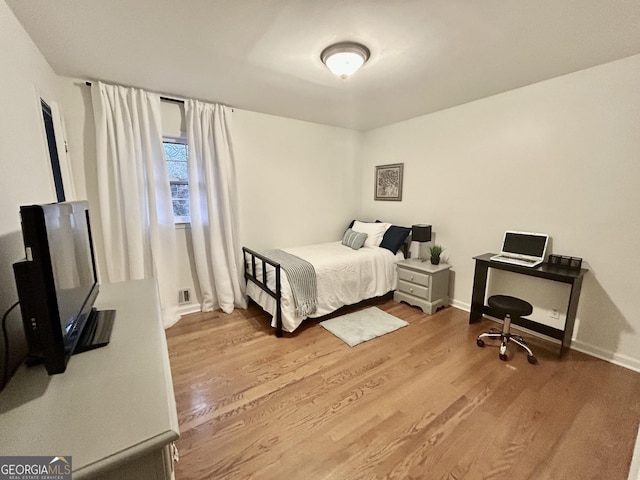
<point>57,282</point>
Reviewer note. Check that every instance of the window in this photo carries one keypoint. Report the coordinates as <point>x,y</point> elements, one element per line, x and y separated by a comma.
<point>176,153</point>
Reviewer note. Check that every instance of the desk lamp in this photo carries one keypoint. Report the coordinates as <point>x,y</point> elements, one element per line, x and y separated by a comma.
<point>421,234</point>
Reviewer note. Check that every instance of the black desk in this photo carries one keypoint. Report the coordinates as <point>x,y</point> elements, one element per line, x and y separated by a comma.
<point>550,272</point>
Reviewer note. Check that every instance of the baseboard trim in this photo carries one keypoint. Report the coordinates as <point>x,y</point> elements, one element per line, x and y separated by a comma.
<point>189,308</point>
<point>462,306</point>
<point>611,357</point>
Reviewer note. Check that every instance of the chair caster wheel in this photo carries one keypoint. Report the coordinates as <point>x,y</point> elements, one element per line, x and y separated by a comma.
<point>480,342</point>
<point>532,360</point>
<point>503,357</point>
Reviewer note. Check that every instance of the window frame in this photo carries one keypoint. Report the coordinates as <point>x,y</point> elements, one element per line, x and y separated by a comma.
<point>182,140</point>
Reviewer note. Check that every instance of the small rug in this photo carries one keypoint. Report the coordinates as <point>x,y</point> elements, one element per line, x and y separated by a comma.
<point>358,327</point>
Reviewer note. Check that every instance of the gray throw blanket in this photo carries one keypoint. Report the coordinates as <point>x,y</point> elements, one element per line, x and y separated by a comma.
<point>302,278</point>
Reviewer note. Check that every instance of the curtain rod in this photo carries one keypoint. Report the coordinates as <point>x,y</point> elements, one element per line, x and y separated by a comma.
<point>167,99</point>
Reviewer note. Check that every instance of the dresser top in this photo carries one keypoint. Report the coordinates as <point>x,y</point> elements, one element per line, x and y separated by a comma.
<point>111,403</point>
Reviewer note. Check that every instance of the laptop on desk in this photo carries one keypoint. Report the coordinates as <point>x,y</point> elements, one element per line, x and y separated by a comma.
<point>523,248</point>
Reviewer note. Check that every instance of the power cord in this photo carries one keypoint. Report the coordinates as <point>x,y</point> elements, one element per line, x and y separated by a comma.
<point>5,373</point>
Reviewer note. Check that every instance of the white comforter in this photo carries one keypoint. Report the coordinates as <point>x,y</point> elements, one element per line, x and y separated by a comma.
<point>344,277</point>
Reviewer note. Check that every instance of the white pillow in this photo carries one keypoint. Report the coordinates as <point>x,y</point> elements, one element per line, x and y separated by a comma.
<point>374,231</point>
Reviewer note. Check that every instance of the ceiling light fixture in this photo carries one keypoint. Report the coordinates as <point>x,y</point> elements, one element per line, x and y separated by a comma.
<point>345,58</point>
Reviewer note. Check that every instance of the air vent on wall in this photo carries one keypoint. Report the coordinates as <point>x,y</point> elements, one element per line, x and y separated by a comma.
<point>184,296</point>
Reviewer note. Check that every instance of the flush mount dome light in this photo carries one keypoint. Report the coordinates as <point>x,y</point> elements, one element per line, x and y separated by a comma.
<point>344,59</point>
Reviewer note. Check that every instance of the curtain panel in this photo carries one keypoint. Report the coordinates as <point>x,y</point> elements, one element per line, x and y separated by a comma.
<point>214,207</point>
<point>134,194</point>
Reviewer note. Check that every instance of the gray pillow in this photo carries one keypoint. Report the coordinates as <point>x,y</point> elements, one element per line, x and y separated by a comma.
<point>354,239</point>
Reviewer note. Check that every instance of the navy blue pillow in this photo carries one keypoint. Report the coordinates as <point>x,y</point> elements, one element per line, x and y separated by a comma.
<point>394,237</point>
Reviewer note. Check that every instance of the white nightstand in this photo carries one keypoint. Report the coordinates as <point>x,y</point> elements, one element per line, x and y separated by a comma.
<point>422,284</point>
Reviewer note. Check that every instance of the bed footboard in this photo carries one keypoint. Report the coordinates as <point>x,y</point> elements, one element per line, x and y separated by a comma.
<point>251,258</point>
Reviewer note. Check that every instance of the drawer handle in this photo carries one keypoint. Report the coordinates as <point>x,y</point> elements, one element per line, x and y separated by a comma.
<point>411,277</point>
<point>411,290</point>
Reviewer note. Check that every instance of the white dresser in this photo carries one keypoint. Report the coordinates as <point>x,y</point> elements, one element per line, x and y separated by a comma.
<point>422,284</point>
<point>113,410</point>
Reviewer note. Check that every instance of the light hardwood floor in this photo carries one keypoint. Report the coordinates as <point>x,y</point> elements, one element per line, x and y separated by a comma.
<point>423,402</point>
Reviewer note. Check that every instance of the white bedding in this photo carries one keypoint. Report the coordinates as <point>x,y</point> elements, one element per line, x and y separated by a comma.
<point>344,277</point>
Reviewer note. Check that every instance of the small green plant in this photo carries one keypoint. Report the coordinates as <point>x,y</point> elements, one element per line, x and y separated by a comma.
<point>435,250</point>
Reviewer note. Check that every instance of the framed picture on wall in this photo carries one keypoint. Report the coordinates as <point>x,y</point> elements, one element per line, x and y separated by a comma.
<point>388,184</point>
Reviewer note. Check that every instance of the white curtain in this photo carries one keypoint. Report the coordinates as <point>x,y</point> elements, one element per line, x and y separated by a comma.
<point>134,194</point>
<point>214,207</point>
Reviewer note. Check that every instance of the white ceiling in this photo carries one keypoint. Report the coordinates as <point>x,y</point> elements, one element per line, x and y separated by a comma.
<point>264,55</point>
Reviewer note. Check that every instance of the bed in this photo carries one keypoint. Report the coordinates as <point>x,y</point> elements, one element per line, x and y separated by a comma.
<point>346,272</point>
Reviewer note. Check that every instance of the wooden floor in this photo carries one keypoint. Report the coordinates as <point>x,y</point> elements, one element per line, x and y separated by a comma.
<point>424,402</point>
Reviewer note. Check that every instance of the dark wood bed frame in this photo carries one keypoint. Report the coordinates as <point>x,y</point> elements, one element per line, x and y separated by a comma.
<point>251,258</point>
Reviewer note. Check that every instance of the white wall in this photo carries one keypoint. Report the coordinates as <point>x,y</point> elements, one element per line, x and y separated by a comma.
<point>299,181</point>
<point>559,157</point>
<point>26,168</point>
<point>26,172</point>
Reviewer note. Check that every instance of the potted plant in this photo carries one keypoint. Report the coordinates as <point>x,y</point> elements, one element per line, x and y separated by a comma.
<point>435,251</point>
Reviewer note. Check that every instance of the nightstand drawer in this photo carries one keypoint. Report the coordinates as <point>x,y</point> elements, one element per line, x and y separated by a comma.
<point>413,277</point>
<point>413,289</point>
